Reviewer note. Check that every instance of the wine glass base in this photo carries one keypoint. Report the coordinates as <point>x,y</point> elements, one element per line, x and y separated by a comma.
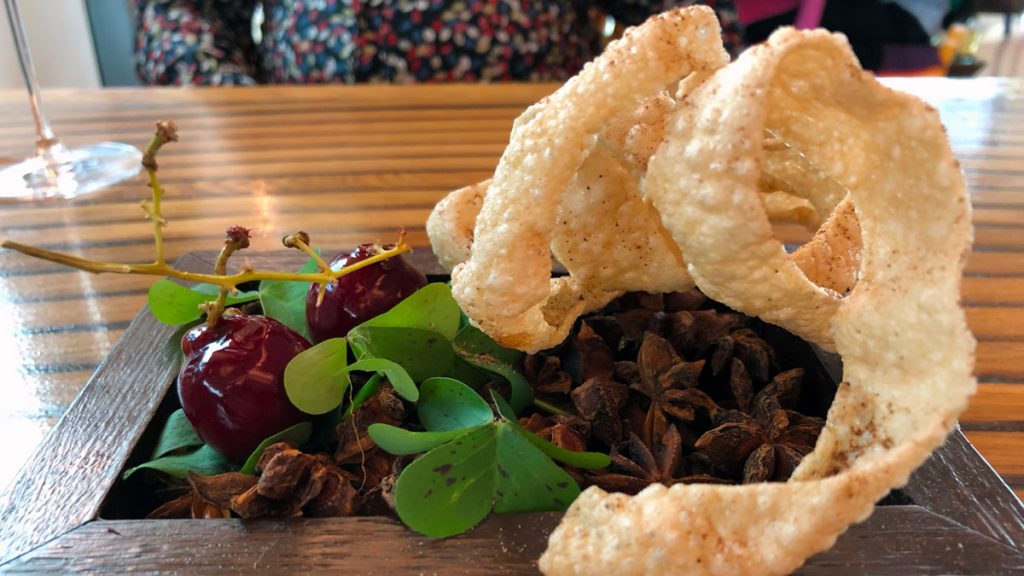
<point>70,173</point>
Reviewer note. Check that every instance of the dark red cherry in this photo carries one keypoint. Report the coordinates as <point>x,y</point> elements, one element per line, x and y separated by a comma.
<point>231,383</point>
<point>360,295</point>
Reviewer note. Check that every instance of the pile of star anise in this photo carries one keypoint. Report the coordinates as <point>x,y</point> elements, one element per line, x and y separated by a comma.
<point>673,387</point>
<point>676,390</point>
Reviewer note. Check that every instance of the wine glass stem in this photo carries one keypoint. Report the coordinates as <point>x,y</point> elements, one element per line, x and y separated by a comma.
<point>46,139</point>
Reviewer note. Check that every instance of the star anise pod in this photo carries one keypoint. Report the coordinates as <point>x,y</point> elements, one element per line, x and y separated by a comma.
<point>767,445</point>
<point>694,332</point>
<point>600,402</point>
<point>741,385</point>
<point>207,496</point>
<point>744,344</point>
<point>635,324</point>
<point>290,481</point>
<point>650,301</point>
<point>565,431</point>
<point>636,465</point>
<point>211,495</point>
<point>666,380</point>
<point>639,465</point>
<point>595,356</point>
<point>544,373</point>
<point>692,299</point>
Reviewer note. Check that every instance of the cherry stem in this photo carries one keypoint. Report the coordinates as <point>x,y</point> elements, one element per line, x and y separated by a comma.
<point>167,132</point>
<point>300,240</point>
<point>237,239</point>
<point>229,281</point>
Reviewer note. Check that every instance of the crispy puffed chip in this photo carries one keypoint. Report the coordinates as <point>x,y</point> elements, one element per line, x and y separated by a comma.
<point>789,170</point>
<point>831,259</point>
<point>785,207</point>
<point>450,225</point>
<point>716,148</point>
<point>907,353</point>
<point>633,252</point>
<point>505,285</point>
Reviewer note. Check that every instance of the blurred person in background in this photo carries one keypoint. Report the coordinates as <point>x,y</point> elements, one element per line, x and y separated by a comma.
<point>207,42</point>
<point>883,33</point>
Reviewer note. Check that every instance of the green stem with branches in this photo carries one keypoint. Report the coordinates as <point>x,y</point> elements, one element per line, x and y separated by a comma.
<point>167,132</point>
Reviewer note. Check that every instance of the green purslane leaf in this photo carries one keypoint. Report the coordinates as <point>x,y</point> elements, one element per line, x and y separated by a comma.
<point>503,407</point>
<point>423,353</point>
<point>296,435</point>
<point>474,463</point>
<point>590,460</point>
<point>416,333</point>
<point>472,376</point>
<point>174,304</point>
<point>430,308</point>
<point>570,457</point>
<point>212,290</point>
<point>204,461</point>
<point>399,441</point>
<point>176,435</point>
<point>365,393</point>
<point>316,378</point>
<point>527,480</point>
<point>478,349</point>
<point>285,301</point>
<point>447,404</point>
<point>456,484</point>
<point>472,340</point>
<point>450,489</point>
<point>399,378</point>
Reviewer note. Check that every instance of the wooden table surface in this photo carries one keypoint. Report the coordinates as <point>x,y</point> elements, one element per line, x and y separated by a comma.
<point>353,164</point>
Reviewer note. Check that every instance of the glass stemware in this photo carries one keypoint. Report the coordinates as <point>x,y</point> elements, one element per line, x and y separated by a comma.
<point>57,171</point>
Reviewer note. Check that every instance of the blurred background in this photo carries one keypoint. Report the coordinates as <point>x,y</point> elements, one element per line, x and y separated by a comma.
<point>91,43</point>
<point>88,45</point>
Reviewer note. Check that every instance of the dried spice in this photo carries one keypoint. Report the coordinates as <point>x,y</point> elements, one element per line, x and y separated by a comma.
<point>291,480</point>
<point>756,356</point>
<point>665,379</point>
<point>704,398</point>
<point>769,443</point>
<point>596,358</point>
<point>353,443</point>
<point>546,375</point>
<point>211,495</point>
<point>600,402</point>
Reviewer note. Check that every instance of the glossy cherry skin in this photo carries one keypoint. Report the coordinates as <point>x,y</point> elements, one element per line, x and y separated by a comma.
<point>360,295</point>
<point>231,383</point>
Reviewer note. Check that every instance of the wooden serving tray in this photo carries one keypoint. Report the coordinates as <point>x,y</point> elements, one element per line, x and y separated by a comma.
<point>963,518</point>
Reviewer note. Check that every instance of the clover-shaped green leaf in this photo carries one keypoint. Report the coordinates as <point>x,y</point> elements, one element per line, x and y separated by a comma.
<point>487,464</point>
<point>478,349</point>
<point>174,304</point>
<point>285,301</point>
<point>316,378</point>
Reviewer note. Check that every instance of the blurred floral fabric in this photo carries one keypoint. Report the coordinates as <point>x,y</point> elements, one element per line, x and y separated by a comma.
<point>211,42</point>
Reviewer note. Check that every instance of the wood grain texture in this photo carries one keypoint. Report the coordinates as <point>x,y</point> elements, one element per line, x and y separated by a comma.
<point>896,540</point>
<point>974,495</point>
<point>353,164</point>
